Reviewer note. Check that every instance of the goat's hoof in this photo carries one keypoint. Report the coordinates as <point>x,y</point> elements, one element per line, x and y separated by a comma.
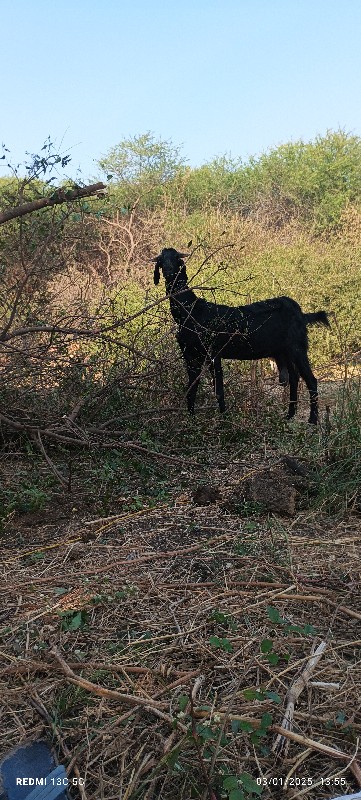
<point>312,421</point>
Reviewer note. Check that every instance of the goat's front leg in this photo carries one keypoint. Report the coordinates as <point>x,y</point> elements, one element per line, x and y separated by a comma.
<point>194,369</point>
<point>217,374</point>
<point>283,375</point>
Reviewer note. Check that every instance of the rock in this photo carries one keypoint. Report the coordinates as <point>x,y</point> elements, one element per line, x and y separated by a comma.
<point>206,495</point>
<point>274,494</point>
<point>268,489</point>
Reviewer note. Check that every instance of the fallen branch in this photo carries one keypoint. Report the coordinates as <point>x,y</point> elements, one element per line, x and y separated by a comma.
<point>281,744</point>
<point>28,666</point>
<point>314,598</point>
<point>101,691</point>
<point>148,452</point>
<point>321,748</point>
<point>50,463</point>
<point>82,441</point>
<point>111,694</point>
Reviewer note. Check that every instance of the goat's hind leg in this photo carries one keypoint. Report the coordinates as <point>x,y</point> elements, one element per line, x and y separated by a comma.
<point>306,373</point>
<point>217,377</point>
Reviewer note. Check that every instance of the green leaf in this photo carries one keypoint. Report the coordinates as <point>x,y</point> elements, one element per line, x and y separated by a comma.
<point>266,645</point>
<point>73,620</point>
<point>293,629</point>
<point>230,782</point>
<point>274,615</point>
<point>246,726</point>
<point>215,641</point>
<point>310,629</point>
<point>173,757</point>
<point>306,629</point>
<point>249,694</point>
<point>273,696</point>
<point>219,617</point>
<point>273,658</point>
<point>253,694</point>
<point>241,725</point>
<point>205,732</point>
<point>224,644</point>
<point>236,794</point>
<point>76,622</point>
<point>266,720</point>
<point>224,619</point>
<point>249,784</point>
<point>183,701</point>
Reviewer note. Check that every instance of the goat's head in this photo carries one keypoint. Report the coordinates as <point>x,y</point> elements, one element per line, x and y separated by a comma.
<point>170,262</point>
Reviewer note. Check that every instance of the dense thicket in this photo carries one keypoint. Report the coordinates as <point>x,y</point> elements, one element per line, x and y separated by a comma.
<point>292,217</point>
<point>312,182</point>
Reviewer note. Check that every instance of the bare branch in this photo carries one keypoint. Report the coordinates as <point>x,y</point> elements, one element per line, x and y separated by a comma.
<point>59,196</point>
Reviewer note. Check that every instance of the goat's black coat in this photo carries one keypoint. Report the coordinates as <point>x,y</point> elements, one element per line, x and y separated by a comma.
<point>208,332</point>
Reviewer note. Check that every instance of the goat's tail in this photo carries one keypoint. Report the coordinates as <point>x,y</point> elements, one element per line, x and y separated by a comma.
<point>317,318</point>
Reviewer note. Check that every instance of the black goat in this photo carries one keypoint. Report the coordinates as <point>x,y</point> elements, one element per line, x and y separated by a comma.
<point>208,332</point>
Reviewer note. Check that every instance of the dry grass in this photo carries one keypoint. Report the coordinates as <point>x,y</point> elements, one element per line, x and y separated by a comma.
<point>153,588</point>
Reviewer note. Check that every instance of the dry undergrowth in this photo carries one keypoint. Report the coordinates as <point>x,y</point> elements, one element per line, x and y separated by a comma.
<point>134,644</point>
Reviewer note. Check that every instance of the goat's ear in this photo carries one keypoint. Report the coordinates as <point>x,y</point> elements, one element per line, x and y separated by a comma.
<point>184,255</point>
<point>156,274</point>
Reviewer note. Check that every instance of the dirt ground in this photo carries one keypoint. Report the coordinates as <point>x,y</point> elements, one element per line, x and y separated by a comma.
<point>157,649</point>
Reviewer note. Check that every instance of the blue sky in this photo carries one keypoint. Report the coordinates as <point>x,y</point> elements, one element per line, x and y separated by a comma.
<point>215,76</point>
